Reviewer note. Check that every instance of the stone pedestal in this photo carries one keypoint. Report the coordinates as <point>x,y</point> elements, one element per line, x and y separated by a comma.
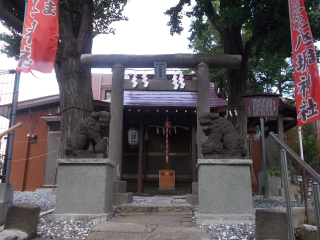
<point>224,191</point>
<point>85,188</point>
<point>6,199</point>
<point>193,198</point>
<point>120,194</point>
<point>274,185</point>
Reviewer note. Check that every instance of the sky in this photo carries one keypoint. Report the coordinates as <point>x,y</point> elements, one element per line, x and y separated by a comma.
<point>146,32</point>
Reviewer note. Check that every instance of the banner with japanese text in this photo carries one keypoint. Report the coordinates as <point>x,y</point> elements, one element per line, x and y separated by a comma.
<point>40,37</point>
<point>306,75</point>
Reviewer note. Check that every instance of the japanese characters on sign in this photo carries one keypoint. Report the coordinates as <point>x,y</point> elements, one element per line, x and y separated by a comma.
<point>160,70</point>
<point>40,37</point>
<point>306,75</point>
<point>261,105</point>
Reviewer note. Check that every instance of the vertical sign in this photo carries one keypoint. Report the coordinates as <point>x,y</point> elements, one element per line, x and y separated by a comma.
<point>40,36</point>
<point>306,75</point>
<point>160,70</point>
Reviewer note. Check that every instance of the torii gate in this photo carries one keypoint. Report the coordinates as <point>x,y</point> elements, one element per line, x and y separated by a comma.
<point>118,63</point>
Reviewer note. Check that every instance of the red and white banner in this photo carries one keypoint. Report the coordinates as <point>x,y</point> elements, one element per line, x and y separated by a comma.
<point>306,75</point>
<point>40,37</point>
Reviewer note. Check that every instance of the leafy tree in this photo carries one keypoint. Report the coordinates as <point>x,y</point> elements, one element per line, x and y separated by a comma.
<point>209,42</point>
<point>273,73</point>
<point>268,72</point>
<point>79,22</point>
<point>261,21</point>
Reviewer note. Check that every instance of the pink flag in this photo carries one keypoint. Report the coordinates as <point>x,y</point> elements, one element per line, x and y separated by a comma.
<point>306,75</point>
<point>40,37</point>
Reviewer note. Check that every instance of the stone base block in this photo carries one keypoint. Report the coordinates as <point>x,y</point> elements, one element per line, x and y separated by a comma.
<point>297,215</point>
<point>6,192</point>
<point>3,211</point>
<point>271,224</point>
<point>274,185</point>
<point>224,186</point>
<point>85,186</point>
<point>13,234</point>
<point>122,198</point>
<point>119,186</point>
<point>23,217</point>
<point>307,232</point>
<point>195,188</point>
<point>206,219</point>
<point>192,199</point>
<point>6,199</point>
<point>97,218</point>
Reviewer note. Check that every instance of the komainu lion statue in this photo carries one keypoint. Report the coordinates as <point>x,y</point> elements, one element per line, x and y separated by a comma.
<point>223,141</point>
<point>91,130</point>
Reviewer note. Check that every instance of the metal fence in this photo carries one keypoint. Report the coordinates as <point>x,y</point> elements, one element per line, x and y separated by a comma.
<point>7,78</point>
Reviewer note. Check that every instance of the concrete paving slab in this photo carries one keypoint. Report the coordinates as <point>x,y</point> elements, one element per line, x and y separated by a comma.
<point>179,233</point>
<point>116,236</point>
<point>154,226</point>
<point>123,227</point>
<point>155,219</point>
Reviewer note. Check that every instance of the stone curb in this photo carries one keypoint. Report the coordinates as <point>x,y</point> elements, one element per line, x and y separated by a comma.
<point>139,208</point>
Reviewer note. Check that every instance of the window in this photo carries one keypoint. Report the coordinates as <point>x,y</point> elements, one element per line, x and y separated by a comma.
<point>108,95</point>
<point>54,126</point>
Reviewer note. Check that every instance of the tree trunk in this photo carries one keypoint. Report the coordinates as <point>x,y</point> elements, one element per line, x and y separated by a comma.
<point>237,86</point>
<point>236,79</point>
<point>76,100</point>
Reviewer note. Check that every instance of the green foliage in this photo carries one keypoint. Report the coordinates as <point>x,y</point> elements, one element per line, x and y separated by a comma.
<point>274,170</point>
<point>311,151</point>
<point>107,12</point>
<point>291,102</point>
<point>271,73</point>
<point>11,44</point>
<point>258,30</point>
<point>210,43</point>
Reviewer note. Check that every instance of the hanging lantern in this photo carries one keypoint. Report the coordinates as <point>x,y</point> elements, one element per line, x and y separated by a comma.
<point>133,137</point>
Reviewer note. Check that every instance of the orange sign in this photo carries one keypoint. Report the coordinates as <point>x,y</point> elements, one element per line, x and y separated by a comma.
<point>166,178</point>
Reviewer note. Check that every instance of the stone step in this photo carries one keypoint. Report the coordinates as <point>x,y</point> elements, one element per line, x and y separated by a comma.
<point>160,208</point>
<point>157,191</point>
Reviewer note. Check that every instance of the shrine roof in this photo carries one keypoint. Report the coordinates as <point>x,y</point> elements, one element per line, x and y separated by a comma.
<point>168,99</point>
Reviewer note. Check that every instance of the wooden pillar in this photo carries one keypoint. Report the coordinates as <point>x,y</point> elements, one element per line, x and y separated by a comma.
<point>140,159</point>
<point>193,153</point>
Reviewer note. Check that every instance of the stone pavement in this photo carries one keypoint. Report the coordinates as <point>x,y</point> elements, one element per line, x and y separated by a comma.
<point>158,218</point>
<point>154,219</point>
<point>149,226</point>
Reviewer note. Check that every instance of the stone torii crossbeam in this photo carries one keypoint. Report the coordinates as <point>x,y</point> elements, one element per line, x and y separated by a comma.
<point>172,60</point>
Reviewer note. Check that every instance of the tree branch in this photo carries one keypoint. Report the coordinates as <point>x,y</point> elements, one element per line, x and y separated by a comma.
<point>212,16</point>
<point>10,19</point>
<point>258,29</point>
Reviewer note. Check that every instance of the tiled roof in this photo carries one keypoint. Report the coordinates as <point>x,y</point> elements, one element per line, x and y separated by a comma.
<point>169,99</point>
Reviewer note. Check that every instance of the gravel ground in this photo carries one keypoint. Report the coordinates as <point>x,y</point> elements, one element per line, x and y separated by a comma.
<point>45,198</point>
